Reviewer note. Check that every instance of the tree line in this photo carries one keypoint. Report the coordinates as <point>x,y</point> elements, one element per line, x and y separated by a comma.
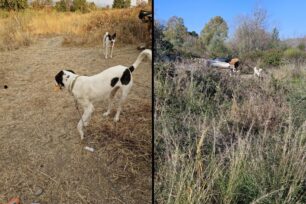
<point>252,40</point>
<point>62,5</point>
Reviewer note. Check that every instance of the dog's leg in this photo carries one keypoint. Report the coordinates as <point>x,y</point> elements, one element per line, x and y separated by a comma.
<point>111,100</point>
<point>88,110</point>
<point>106,53</point>
<point>111,55</point>
<point>122,100</point>
<point>110,104</point>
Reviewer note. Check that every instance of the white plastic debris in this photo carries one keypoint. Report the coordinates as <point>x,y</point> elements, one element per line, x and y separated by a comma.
<point>89,149</point>
<point>38,191</point>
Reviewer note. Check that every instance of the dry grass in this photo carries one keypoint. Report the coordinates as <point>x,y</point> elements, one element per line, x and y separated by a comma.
<point>40,145</point>
<point>223,139</point>
<point>21,28</point>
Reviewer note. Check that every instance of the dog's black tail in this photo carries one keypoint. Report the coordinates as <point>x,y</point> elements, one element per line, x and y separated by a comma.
<point>141,56</point>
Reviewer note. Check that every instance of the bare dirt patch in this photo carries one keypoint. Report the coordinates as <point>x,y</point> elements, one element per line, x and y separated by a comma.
<point>40,147</point>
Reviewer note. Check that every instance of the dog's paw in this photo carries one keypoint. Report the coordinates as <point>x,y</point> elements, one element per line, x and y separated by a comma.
<point>116,119</point>
<point>106,113</point>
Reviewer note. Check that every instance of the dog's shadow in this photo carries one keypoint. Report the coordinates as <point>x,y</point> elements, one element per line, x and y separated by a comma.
<point>101,136</point>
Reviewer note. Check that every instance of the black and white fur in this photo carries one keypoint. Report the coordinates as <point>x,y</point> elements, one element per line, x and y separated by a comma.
<point>109,43</point>
<point>90,89</point>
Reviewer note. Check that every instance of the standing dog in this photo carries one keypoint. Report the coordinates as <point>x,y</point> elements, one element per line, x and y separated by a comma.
<point>257,73</point>
<point>90,89</point>
<point>108,43</point>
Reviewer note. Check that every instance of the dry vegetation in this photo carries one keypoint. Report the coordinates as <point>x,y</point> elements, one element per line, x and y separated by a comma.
<point>40,146</point>
<point>21,28</point>
<point>221,139</point>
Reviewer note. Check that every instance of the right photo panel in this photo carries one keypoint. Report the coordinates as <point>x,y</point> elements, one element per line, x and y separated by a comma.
<point>229,102</point>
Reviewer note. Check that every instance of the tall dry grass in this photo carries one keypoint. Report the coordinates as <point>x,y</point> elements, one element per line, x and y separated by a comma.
<point>229,140</point>
<point>14,32</point>
<point>21,28</point>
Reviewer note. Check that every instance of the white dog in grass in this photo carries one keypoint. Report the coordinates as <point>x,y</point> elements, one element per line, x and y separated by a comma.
<point>257,72</point>
<point>90,89</point>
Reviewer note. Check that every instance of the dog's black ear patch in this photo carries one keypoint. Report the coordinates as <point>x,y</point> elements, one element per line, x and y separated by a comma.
<point>114,81</point>
<point>126,77</point>
<point>114,36</point>
<point>59,78</point>
<point>131,68</point>
<point>69,70</point>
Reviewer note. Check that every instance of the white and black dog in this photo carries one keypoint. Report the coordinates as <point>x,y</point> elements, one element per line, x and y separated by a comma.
<point>109,43</point>
<point>90,89</point>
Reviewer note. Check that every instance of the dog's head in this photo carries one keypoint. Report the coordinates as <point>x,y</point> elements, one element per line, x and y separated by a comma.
<point>112,38</point>
<point>62,77</point>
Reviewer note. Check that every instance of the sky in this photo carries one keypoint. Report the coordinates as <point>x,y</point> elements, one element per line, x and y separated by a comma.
<point>289,16</point>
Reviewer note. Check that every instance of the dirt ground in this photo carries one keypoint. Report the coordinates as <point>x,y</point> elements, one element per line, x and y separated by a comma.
<point>40,147</point>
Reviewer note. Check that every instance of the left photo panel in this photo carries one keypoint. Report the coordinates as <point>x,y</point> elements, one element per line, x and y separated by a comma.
<point>76,101</point>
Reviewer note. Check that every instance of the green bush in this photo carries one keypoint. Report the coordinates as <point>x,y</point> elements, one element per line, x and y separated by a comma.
<point>295,55</point>
<point>13,4</point>
<point>272,58</point>
<point>80,5</point>
<point>121,3</point>
<point>301,46</point>
<point>251,56</point>
<point>63,5</point>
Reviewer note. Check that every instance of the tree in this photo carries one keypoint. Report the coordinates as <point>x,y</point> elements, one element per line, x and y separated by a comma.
<point>64,5</point>
<point>301,46</point>
<point>214,35</point>
<point>121,3</point>
<point>193,33</point>
<point>275,41</point>
<point>92,6</point>
<point>251,34</point>
<point>80,5</point>
<point>39,4</point>
<point>162,47</point>
<point>13,4</point>
<point>175,31</point>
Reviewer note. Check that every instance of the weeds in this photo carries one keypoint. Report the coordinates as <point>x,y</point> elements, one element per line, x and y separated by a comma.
<point>228,140</point>
<point>19,29</point>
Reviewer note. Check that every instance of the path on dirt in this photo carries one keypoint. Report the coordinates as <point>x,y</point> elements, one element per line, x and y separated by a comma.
<point>40,147</point>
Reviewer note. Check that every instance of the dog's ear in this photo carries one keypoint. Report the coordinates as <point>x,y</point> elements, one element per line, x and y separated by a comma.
<point>114,35</point>
<point>69,70</point>
<point>59,78</point>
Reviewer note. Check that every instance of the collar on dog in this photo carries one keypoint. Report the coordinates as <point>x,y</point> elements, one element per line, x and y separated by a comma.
<point>72,84</point>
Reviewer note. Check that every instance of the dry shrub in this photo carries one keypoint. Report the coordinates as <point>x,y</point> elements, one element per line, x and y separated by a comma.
<point>14,32</point>
<point>124,22</point>
<point>57,23</point>
<point>258,112</point>
<point>210,148</point>
<point>77,29</point>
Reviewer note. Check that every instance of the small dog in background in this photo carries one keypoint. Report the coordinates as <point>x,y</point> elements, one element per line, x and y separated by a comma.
<point>108,43</point>
<point>258,72</point>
